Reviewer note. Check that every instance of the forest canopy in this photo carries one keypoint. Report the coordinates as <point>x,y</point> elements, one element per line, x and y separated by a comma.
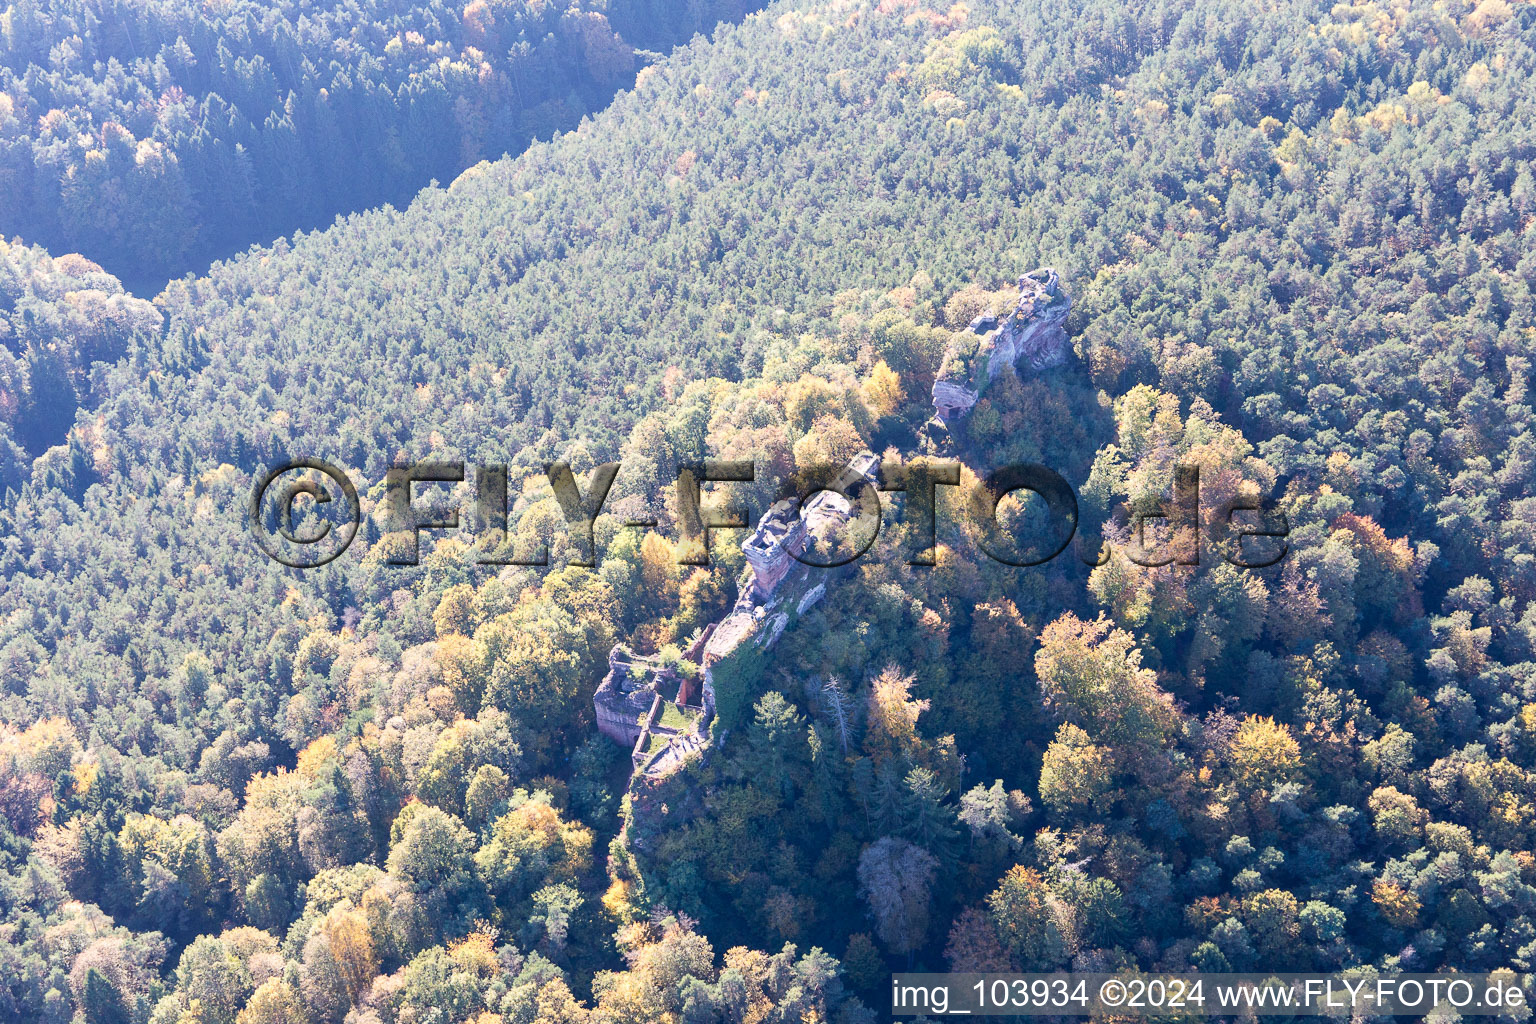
<point>1299,245</point>
<point>154,137</point>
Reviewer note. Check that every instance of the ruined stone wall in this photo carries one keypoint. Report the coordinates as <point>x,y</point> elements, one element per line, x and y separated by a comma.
<point>621,701</point>
<point>619,727</point>
<point>775,589</point>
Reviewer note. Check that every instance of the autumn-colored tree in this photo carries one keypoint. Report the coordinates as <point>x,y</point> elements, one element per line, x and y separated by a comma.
<point>458,612</point>
<point>340,961</point>
<point>263,840</point>
<point>892,715</point>
<point>974,945</point>
<point>215,972</point>
<point>464,663</point>
<point>807,400</point>
<point>1264,754</point>
<point>457,982</point>
<point>460,751</point>
<point>275,1001</point>
<point>1398,906</point>
<point>1076,773</point>
<point>1387,577</point>
<point>487,789</point>
<point>659,571</point>
<point>540,661</point>
<point>882,390</point>
<point>654,987</point>
<point>1029,920</point>
<point>1271,917</point>
<point>1397,815</point>
<point>832,441</point>
<point>529,848</point>
<point>1091,675</point>
<point>171,865</point>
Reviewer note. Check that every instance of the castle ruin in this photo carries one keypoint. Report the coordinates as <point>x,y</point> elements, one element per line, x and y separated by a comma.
<point>663,712</point>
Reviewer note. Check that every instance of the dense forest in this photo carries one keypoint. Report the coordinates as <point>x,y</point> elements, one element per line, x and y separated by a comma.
<point>1300,241</point>
<point>60,320</point>
<point>154,137</point>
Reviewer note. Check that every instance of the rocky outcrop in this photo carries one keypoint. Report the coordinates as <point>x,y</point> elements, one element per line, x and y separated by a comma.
<point>1032,334</point>
<point>775,575</point>
<point>951,401</point>
<point>782,535</point>
<point>663,712</point>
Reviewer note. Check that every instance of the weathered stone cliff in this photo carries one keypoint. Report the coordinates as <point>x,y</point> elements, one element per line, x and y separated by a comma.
<point>664,713</point>
<point>1032,333</point>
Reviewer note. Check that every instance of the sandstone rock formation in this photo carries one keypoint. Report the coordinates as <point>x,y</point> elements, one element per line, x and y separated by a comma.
<point>663,712</point>
<point>1032,332</point>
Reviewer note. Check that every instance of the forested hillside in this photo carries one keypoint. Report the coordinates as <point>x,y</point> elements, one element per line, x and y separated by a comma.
<point>59,320</point>
<point>1299,244</point>
<point>155,136</point>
